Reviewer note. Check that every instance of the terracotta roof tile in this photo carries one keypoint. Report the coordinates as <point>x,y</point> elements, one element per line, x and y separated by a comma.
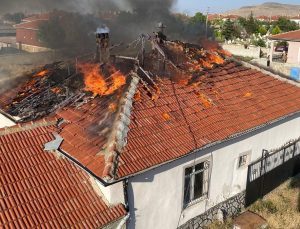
<point>245,98</point>
<point>41,190</point>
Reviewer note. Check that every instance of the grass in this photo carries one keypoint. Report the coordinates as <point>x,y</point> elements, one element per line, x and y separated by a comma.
<point>281,207</point>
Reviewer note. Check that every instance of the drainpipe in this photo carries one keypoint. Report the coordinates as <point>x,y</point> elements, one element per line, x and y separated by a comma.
<point>124,220</point>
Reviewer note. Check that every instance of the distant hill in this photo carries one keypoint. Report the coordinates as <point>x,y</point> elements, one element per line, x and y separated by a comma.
<point>267,9</point>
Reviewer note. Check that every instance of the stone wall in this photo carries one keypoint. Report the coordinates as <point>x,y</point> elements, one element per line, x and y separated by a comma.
<point>229,208</point>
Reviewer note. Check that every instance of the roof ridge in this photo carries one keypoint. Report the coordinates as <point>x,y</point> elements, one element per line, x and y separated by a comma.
<point>28,126</point>
<point>118,137</point>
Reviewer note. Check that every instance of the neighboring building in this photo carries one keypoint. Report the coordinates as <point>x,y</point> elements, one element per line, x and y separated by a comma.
<point>231,17</point>
<point>296,19</point>
<point>27,33</point>
<point>174,152</point>
<point>293,39</point>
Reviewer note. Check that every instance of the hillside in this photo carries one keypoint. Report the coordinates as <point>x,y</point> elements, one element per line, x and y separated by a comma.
<point>267,9</point>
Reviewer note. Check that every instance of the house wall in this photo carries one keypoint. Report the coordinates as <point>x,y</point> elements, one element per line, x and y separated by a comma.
<point>156,196</point>
<point>294,53</point>
<point>239,50</point>
<point>27,36</point>
<point>5,122</point>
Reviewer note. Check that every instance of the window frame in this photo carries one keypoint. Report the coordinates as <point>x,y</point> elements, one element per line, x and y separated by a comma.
<point>246,154</point>
<point>206,182</point>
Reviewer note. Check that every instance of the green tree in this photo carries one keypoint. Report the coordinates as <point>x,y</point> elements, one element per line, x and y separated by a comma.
<point>262,30</point>
<point>260,42</point>
<point>198,17</point>
<point>14,17</point>
<point>51,33</point>
<point>286,25</point>
<point>228,30</point>
<point>252,25</point>
<point>276,30</point>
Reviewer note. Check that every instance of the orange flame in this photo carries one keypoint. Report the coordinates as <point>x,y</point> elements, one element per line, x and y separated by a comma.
<point>112,107</point>
<point>205,100</point>
<point>215,58</point>
<point>205,64</point>
<point>56,90</point>
<point>96,83</point>
<point>166,116</point>
<point>137,96</point>
<point>42,73</point>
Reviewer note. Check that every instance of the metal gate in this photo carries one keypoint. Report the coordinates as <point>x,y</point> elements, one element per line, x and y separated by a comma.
<point>272,170</point>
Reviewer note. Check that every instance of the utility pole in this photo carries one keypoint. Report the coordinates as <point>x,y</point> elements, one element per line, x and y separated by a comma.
<point>206,25</point>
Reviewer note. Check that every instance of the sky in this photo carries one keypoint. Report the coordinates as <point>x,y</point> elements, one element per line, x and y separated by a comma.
<point>192,6</point>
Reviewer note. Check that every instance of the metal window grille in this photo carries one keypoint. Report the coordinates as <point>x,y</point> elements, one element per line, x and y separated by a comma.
<point>196,182</point>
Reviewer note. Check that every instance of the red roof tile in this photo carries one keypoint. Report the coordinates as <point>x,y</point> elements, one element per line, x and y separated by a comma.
<point>37,188</point>
<point>241,99</point>
<point>289,36</point>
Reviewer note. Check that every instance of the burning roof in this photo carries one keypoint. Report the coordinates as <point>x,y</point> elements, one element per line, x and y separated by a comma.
<point>124,117</point>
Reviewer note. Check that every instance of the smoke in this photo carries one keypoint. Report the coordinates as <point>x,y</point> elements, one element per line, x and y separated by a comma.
<point>134,18</point>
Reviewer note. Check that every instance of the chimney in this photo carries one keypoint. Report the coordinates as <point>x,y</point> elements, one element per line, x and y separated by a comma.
<point>103,43</point>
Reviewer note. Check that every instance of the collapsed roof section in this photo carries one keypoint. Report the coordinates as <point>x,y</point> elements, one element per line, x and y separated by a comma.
<point>129,117</point>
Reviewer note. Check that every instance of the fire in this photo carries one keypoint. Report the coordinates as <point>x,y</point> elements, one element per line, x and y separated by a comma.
<point>137,96</point>
<point>205,100</point>
<point>212,58</point>
<point>248,94</point>
<point>96,83</point>
<point>112,107</point>
<point>205,64</point>
<point>166,116</point>
<point>42,73</point>
<point>56,90</point>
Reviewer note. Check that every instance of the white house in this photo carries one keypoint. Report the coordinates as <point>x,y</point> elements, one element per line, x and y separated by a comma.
<point>296,19</point>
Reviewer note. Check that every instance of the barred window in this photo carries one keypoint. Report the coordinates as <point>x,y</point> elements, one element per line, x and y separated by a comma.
<point>196,182</point>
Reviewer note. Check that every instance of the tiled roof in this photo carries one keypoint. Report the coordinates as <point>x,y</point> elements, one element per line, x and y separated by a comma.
<point>289,36</point>
<point>33,25</point>
<point>45,16</point>
<point>229,100</point>
<point>169,117</point>
<point>39,189</point>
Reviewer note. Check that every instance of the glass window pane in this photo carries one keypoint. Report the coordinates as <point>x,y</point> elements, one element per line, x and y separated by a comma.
<point>199,167</point>
<point>187,186</point>
<point>188,171</point>
<point>198,186</point>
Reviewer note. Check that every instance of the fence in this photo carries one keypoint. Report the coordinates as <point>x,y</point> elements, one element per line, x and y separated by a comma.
<point>272,170</point>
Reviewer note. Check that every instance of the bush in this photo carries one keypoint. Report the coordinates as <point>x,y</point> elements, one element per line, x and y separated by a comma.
<point>260,42</point>
<point>264,205</point>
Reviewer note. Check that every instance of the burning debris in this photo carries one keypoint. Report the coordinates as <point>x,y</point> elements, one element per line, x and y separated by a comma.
<point>53,87</point>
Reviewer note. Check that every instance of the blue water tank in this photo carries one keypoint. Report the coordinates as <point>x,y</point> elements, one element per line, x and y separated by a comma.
<point>295,73</point>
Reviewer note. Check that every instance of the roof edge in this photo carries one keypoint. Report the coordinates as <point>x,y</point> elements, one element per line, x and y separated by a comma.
<point>28,126</point>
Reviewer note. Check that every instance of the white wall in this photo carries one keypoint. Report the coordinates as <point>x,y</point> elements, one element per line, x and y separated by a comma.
<point>5,122</point>
<point>239,50</point>
<point>156,196</point>
<point>294,53</point>
<point>114,194</point>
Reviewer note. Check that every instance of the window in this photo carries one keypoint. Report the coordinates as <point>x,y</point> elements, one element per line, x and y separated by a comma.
<point>196,182</point>
<point>243,160</point>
